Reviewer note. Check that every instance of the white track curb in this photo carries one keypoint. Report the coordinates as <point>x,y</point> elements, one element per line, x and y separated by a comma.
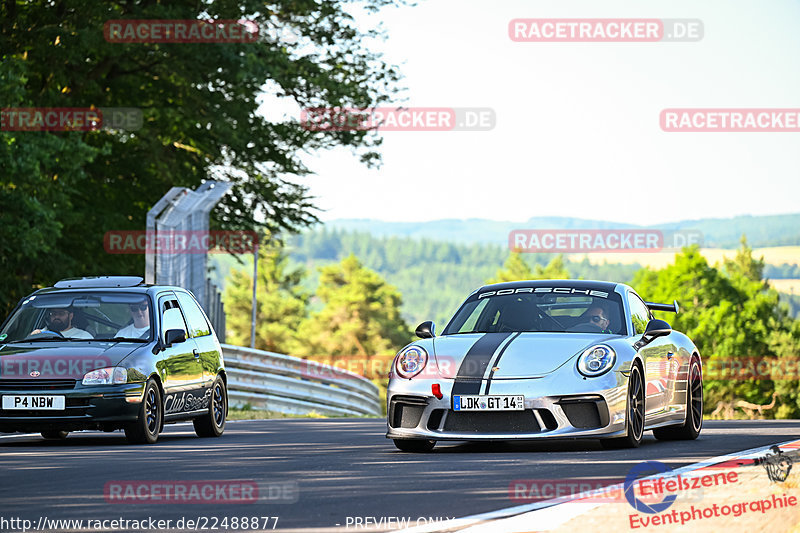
<point>554,512</point>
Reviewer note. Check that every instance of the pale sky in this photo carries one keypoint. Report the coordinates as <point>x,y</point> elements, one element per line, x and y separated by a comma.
<point>577,129</point>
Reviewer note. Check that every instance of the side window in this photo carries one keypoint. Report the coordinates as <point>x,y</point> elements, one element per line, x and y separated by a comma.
<point>198,325</point>
<point>472,320</point>
<point>171,317</point>
<point>640,315</point>
<point>495,318</point>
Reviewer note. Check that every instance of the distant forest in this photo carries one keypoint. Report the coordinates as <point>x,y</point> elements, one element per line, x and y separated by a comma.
<point>761,231</point>
<point>434,277</point>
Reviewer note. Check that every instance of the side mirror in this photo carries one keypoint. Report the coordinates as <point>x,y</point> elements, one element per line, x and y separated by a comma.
<point>425,330</point>
<point>657,328</point>
<point>174,336</point>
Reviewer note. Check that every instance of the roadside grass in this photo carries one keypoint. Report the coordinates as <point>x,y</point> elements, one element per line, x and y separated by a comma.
<point>262,414</point>
<point>247,412</point>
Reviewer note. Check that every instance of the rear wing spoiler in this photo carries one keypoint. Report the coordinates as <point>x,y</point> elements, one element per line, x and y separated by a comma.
<point>672,308</point>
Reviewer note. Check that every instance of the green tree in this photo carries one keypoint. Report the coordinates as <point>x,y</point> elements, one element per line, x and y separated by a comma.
<point>745,264</point>
<point>555,269</point>
<point>729,313</point>
<point>785,343</point>
<point>61,191</point>
<point>517,269</point>
<point>514,269</point>
<point>281,303</point>
<point>360,315</point>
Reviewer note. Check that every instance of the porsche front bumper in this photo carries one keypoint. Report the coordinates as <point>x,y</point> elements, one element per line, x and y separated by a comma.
<point>581,407</point>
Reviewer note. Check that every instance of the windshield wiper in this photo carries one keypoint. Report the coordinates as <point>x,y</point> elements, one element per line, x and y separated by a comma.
<point>53,338</point>
<point>124,339</point>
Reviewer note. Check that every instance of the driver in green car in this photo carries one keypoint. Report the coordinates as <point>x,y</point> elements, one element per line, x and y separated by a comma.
<point>59,320</point>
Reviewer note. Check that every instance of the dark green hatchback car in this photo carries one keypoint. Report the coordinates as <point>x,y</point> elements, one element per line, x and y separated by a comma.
<point>110,353</point>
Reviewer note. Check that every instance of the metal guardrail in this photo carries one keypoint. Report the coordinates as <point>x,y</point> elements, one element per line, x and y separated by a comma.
<point>286,384</point>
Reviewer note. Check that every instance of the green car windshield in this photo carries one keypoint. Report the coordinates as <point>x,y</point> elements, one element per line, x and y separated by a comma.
<point>80,316</point>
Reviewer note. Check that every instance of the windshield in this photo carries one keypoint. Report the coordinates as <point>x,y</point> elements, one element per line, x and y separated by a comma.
<point>80,316</point>
<point>526,310</point>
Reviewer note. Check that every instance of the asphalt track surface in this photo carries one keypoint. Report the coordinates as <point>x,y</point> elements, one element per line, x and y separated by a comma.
<point>345,469</point>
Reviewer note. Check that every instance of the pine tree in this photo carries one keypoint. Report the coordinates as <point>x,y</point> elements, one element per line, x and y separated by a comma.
<point>281,303</point>
<point>517,269</point>
<point>360,315</point>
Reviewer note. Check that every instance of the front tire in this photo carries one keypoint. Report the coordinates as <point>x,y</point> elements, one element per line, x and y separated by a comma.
<point>414,445</point>
<point>213,423</point>
<point>148,425</point>
<point>635,414</point>
<point>691,428</point>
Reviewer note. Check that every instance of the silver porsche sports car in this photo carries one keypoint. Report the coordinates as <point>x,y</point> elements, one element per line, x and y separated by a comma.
<point>547,359</point>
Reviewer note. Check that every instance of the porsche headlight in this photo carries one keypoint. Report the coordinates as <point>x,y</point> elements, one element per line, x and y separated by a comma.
<point>106,376</point>
<point>596,361</point>
<point>411,361</point>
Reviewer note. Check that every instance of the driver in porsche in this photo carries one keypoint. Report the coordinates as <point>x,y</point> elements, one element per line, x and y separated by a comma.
<point>597,316</point>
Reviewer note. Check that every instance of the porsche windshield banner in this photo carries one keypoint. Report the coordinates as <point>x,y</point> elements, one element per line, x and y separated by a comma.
<point>555,290</point>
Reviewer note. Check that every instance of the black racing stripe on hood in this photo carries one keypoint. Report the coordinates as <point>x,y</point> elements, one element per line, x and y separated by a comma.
<point>497,361</point>
<point>473,367</point>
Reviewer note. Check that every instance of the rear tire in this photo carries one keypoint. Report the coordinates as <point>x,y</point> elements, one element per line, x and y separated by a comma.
<point>414,445</point>
<point>691,428</point>
<point>148,425</point>
<point>54,434</point>
<point>635,414</point>
<point>213,424</point>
